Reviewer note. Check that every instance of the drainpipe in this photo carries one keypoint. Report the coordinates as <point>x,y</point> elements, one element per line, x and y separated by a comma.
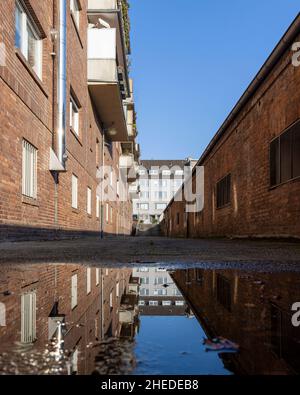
<point>58,152</point>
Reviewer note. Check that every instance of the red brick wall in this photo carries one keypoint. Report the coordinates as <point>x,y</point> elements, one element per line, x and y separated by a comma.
<point>87,323</point>
<point>26,112</point>
<point>248,322</point>
<point>256,209</point>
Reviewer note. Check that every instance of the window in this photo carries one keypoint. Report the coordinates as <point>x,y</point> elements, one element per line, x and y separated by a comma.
<point>224,191</point>
<point>29,170</point>
<point>74,362</point>
<point>97,277</point>
<point>144,195</point>
<point>160,292</point>
<point>142,303</point>
<point>88,281</point>
<point>144,292</point>
<point>97,206</point>
<point>285,156</point>
<point>166,172</point>
<point>107,213</point>
<point>111,215</point>
<point>179,172</point>
<point>153,303</point>
<point>179,303</point>
<point>75,11</point>
<point>118,290</point>
<point>154,172</point>
<point>74,115</point>
<point>111,300</point>
<point>224,292</point>
<point>166,303</point>
<point>28,317</point>
<point>27,39</point>
<point>144,206</point>
<point>74,281</point>
<point>160,206</point>
<point>144,280</point>
<point>98,153</point>
<point>160,280</point>
<point>74,191</point>
<point>89,201</point>
<point>178,219</point>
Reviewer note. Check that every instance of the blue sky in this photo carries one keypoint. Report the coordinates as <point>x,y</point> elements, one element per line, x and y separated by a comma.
<point>191,62</point>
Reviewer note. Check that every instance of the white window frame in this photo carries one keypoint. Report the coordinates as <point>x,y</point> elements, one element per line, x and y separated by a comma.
<point>74,115</point>
<point>107,213</point>
<point>27,22</point>
<point>74,191</point>
<point>89,201</point>
<point>29,170</point>
<point>144,206</point>
<point>74,291</point>
<point>118,289</point>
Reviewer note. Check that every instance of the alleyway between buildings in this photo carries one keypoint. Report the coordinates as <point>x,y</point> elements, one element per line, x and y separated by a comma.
<point>153,250</point>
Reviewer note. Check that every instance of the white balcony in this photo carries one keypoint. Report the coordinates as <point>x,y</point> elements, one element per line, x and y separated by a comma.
<point>134,191</point>
<point>126,316</point>
<point>102,5</point>
<point>104,81</point>
<point>109,13</point>
<point>126,161</point>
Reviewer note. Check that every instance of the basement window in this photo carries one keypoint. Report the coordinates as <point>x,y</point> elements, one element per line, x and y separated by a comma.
<point>29,171</point>
<point>27,38</point>
<point>285,156</point>
<point>224,191</point>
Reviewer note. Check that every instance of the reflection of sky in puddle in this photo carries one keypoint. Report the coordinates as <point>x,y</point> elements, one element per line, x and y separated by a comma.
<point>71,319</point>
<point>174,345</point>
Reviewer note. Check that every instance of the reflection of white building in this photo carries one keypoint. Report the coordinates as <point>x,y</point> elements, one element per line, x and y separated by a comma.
<point>158,293</point>
<point>158,181</point>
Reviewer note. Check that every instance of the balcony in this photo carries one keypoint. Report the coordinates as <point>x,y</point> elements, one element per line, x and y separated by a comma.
<point>134,191</point>
<point>109,12</point>
<point>103,5</point>
<point>105,81</point>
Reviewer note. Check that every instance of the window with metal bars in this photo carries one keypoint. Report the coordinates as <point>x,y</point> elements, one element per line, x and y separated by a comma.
<point>28,317</point>
<point>74,191</point>
<point>29,176</point>
<point>224,191</point>
<point>285,156</point>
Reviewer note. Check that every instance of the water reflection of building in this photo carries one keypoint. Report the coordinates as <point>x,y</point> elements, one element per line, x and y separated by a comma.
<point>252,309</point>
<point>82,305</point>
<point>158,293</point>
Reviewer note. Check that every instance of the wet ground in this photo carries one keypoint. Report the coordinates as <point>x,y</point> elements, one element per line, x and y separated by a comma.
<point>218,318</point>
<point>116,250</point>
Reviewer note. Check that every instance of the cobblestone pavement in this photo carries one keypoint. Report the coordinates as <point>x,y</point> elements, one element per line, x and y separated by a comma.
<point>153,250</point>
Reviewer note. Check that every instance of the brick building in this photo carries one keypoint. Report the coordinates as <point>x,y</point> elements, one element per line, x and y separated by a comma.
<point>87,301</point>
<point>66,111</point>
<point>250,309</point>
<point>252,165</point>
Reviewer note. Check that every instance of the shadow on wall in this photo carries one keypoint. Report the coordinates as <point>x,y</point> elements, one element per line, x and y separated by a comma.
<point>28,233</point>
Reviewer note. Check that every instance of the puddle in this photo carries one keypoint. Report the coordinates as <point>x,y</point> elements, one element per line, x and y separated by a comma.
<point>74,319</point>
